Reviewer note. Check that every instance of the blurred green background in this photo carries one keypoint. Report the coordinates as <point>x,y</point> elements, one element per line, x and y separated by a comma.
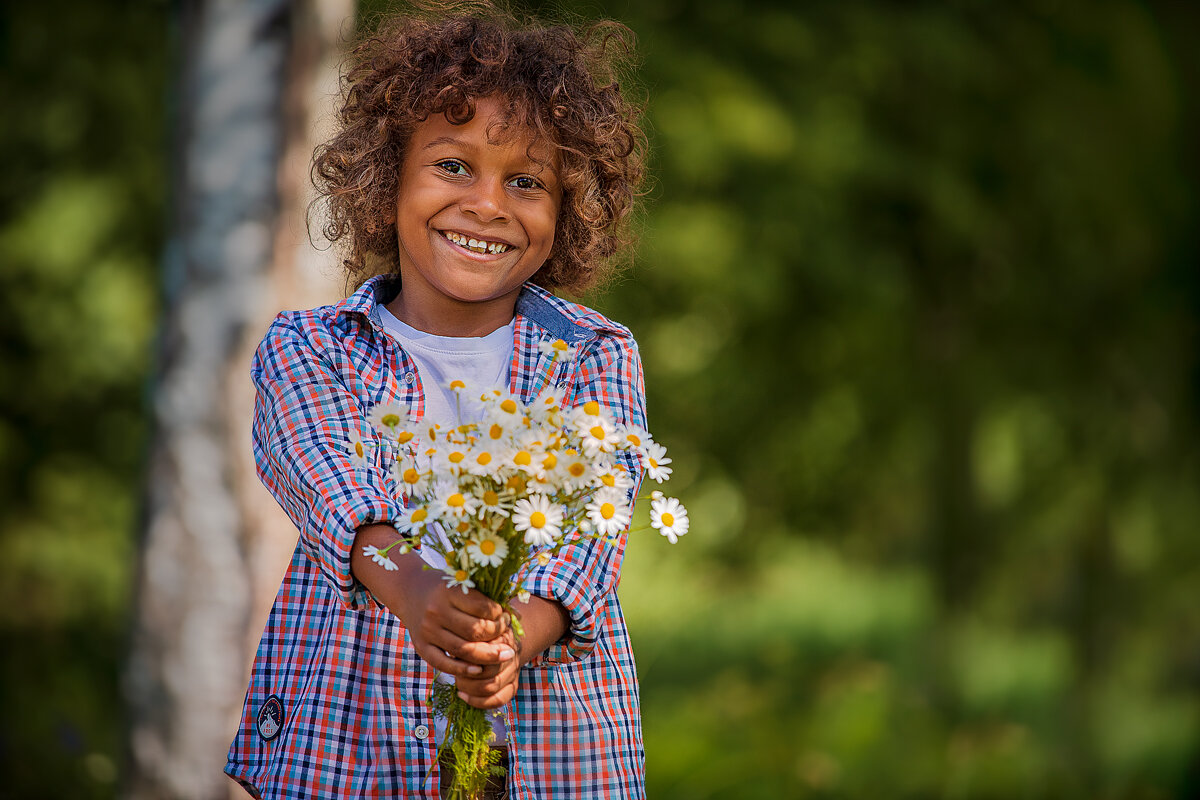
<point>917,295</point>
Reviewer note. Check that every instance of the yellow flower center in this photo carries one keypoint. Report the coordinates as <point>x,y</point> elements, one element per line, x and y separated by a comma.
<point>515,484</point>
<point>597,432</point>
<point>461,576</point>
<point>483,459</point>
<point>608,480</point>
<point>608,510</point>
<point>411,475</point>
<point>549,461</point>
<point>508,406</point>
<point>491,498</point>
<point>537,519</point>
<point>487,547</point>
<point>462,527</point>
<point>358,449</point>
<point>457,385</point>
<point>667,519</point>
<point>391,420</point>
<point>559,344</point>
<point>404,437</point>
<point>591,408</point>
<point>576,469</point>
<point>456,457</point>
<point>495,431</point>
<point>522,458</point>
<point>634,438</point>
<point>419,515</point>
<point>456,500</point>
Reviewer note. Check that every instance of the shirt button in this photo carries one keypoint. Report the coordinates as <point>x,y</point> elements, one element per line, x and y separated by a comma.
<point>422,732</point>
<point>409,377</point>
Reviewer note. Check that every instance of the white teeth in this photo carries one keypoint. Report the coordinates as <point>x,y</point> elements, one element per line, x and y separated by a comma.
<point>476,245</point>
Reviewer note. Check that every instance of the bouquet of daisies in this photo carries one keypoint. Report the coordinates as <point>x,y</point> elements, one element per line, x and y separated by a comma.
<point>497,497</point>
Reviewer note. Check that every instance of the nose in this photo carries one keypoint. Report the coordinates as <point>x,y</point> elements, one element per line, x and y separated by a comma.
<point>486,200</point>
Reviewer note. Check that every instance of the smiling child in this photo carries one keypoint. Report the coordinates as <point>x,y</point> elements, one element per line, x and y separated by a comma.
<point>480,165</point>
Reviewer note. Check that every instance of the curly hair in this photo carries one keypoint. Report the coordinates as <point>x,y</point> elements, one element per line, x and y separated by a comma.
<point>558,80</point>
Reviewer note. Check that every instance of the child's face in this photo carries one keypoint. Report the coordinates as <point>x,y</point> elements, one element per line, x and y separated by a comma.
<point>459,185</point>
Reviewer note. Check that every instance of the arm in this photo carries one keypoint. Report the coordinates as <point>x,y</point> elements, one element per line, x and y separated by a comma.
<point>583,574</point>
<point>307,405</point>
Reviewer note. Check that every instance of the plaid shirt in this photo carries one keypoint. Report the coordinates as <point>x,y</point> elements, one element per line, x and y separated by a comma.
<point>337,700</point>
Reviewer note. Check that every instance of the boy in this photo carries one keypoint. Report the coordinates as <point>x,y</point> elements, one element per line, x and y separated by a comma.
<point>479,164</point>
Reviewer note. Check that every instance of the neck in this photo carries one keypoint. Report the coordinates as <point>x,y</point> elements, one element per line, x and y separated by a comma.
<point>453,318</point>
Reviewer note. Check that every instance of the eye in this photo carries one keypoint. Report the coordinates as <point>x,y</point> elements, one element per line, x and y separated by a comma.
<point>452,166</point>
<point>525,182</point>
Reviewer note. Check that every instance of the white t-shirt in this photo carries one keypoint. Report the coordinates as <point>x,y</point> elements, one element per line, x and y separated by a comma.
<point>479,361</point>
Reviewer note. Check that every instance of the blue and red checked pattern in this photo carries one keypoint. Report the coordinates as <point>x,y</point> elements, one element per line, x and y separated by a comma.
<point>353,689</point>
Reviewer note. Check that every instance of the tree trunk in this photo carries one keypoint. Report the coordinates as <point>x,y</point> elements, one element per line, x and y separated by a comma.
<point>245,94</point>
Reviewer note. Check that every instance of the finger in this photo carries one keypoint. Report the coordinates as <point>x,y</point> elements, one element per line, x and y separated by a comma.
<point>473,628</point>
<point>489,701</point>
<point>486,653</point>
<point>477,604</point>
<point>486,687</point>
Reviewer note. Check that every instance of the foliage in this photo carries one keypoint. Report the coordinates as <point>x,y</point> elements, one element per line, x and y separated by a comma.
<point>947,251</point>
<point>81,220</point>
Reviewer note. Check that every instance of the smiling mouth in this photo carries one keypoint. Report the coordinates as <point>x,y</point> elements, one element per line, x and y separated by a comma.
<point>476,245</point>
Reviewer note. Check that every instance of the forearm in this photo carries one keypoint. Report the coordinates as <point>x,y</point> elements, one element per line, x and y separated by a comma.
<point>390,587</point>
<point>545,622</point>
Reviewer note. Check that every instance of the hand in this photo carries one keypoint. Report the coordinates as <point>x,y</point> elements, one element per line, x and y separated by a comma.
<point>464,635</point>
<point>544,623</point>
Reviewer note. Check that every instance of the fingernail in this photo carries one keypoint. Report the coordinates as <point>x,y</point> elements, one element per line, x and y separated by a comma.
<point>474,669</point>
<point>463,695</point>
<point>506,653</point>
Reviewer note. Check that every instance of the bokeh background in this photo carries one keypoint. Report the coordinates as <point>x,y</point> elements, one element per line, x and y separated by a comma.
<point>917,294</point>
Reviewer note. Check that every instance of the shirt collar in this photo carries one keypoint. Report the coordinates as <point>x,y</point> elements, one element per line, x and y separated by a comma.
<point>534,303</point>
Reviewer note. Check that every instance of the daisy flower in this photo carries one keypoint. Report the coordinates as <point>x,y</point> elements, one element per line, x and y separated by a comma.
<point>669,517</point>
<point>414,521</point>
<point>577,471</point>
<point>454,458</point>
<point>558,350</point>
<point>506,410</point>
<point>612,476</point>
<point>411,480</point>
<point>358,452</point>
<point>450,502</point>
<point>488,550</point>
<point>372,552</point>
<point>632,437</point>
<point>496,431</point>
<point>608,513</point>
<point>387,418</point>
<point>599,435</point>
<point>523,453</point>
<point>539,518</point>
<point>458,577</point>
<point>547,408</point>
<point>656,461</point>
<point>492,502</point>
<point>483,460</point>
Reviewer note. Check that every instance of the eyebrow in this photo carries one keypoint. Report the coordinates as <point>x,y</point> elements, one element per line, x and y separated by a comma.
<point>445,140</point>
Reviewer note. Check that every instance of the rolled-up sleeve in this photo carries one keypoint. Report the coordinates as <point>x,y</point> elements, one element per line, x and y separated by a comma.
<point>305,416</point>
<point>585,573</point>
